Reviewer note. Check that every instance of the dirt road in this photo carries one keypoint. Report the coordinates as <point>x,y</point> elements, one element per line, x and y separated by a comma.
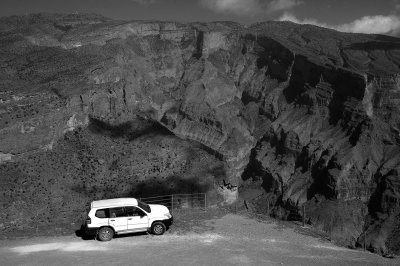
<point>228,240</point>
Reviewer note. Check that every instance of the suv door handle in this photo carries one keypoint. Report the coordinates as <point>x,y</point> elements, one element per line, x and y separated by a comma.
<point>129,218</point>
<point>112,220</point>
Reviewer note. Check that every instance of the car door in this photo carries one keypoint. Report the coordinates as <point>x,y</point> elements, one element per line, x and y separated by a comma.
<point>137,218</point>
<point>118,219</point>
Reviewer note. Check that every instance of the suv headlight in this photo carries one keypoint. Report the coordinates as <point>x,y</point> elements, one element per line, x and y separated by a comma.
<point>169,216</point>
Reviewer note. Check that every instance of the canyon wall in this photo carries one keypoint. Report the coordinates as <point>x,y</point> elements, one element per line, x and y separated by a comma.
<point>279,114</point>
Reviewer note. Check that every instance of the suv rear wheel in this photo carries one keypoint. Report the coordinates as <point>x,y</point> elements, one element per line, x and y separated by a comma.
<point>105,234</point>
<point>158,228</point>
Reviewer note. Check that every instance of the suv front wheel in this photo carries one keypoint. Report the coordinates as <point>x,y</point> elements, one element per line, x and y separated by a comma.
<point>158,228</point>
<point>105,234</point>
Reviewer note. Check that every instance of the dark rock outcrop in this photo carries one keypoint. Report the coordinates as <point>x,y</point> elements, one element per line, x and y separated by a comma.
<point>302,114</point>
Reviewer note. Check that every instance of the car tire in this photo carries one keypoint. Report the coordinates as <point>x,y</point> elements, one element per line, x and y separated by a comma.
<point>105,234</point>
<point>158,228</point>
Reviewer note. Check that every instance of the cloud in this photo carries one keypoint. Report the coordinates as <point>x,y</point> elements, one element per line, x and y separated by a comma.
<point>249,7</point>
<point>378,24</point>
<point>291,17</point>
<point>373,24</point>
<point>238,7</point>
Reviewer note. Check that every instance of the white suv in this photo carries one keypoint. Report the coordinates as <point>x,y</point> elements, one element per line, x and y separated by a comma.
<point>125,215</point>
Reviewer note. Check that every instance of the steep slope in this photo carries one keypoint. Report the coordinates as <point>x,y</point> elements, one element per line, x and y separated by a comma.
<point>299,114</point>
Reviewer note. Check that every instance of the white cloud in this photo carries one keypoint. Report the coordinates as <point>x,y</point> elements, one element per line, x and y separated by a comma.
<point>378,24</point>
<point>238,7</point>
<point>373,24</point>
<point>291,17</point>
<point>249,7</point>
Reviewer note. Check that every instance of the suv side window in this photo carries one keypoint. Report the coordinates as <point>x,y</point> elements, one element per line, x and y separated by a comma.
<point>117,212</point>
<point>130,211</point>
<point>133,211</point>
<point>102,213</point>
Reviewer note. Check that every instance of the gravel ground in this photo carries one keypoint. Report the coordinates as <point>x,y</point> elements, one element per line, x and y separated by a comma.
<point>220,238</point>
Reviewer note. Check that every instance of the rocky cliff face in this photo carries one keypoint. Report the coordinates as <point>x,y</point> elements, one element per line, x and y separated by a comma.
<point>277,113</point>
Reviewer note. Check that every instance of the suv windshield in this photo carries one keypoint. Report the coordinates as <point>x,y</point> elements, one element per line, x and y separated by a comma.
<point>144,206</point>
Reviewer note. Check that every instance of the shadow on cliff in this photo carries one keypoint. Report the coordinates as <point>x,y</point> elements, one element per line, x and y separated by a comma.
<point>376,45</point>
<point>133,129</point>
<point>275,57</point>
<point>179,184</point>
<point>308,75</point>
<point>174,184</point>
<point>151,187</point>
<point>255,171</point>
<point>384,200</point>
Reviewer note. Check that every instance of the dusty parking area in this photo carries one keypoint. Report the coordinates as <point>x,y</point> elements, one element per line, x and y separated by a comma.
<point>231,239</point>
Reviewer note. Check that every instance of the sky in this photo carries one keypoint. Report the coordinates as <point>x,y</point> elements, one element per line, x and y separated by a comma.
<point>365,16</point>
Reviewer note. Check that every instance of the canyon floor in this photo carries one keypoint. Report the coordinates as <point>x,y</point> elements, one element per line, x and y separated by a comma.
<point>215,239</point>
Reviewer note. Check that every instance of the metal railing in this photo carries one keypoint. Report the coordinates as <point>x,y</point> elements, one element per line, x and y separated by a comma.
<point>194,201</point>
